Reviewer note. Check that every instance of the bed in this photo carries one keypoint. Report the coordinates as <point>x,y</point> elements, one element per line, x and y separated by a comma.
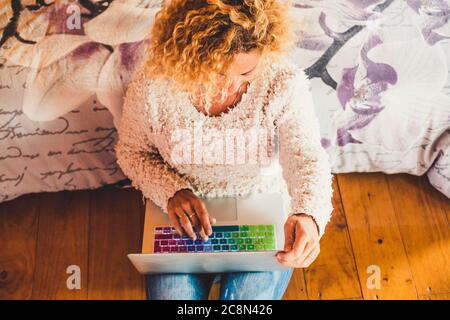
<point>378,69</point>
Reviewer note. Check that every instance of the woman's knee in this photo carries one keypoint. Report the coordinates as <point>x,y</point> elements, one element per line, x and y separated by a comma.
<point>178,286</point>
<point>266,285</point>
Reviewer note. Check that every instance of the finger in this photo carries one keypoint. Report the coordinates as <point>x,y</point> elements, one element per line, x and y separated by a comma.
<point>310,247</point>
<point>212,220</point>
<point>198,227</point>
<point>174,219</point>
<point>289,233</point>
<point>191,214</point>
<point>185,222</point>
<point>300,242</point>
<point>287,263</point>
<point>311,258</point>
<point>203,215</point>
<point>203,235</point>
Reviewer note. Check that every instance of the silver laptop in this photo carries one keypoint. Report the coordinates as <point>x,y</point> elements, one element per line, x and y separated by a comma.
<point>248,233</point>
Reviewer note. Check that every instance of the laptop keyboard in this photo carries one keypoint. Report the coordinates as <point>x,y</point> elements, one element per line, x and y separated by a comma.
<point>259,237</point>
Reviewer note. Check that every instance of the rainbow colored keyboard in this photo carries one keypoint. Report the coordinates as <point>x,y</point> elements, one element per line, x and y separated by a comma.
<point>236,238</point>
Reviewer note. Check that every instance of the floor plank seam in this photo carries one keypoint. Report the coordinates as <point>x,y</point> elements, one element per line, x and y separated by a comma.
<point>350,238</point>
<point>401,236</point>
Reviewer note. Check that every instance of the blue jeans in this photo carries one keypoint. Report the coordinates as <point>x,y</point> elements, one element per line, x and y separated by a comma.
<point>258,285</point>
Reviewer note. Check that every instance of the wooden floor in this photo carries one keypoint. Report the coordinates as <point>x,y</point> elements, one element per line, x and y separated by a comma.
<point>397,224</point>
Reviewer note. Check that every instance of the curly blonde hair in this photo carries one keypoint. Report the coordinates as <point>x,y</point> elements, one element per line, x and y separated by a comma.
<point>193,41</point>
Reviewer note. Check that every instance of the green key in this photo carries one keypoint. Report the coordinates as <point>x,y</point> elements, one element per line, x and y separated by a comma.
<point>235,234</point>
<point>259,247</point>
<point>261,228</point>
<point>269,240</point>
<point>242,247</point>
<point>250,247</point>
<point>252,234</point>
<point>248,241</point>
<point>270,234</point>
<point>240,241</point>
<point>227,235</point>
<point>244,235</point>
<point>270,227</point>
<point>231,241</point>
<point>243,228</point>
<point>234,247</point>
<point>269,246</point>
<point>253,228</point>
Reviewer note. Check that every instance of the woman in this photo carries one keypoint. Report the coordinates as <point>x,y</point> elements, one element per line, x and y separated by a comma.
<point>218,73</point>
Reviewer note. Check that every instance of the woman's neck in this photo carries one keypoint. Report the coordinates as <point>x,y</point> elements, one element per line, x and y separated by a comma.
<point>218,108</point>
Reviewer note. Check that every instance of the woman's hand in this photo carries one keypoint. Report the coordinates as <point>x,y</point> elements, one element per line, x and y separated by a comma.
<point>301,246</point>
<point>186,210</point>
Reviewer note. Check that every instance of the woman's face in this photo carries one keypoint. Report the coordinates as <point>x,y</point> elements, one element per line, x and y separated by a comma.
<point>242,69</point>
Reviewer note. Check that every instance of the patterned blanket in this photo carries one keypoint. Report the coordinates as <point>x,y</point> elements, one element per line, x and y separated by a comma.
<point>379,72</point>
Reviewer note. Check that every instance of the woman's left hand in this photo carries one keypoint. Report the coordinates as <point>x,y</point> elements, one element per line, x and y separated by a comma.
<point>301,245</point>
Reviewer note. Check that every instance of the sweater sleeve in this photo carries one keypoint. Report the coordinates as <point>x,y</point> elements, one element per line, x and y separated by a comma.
<point>305,163</point>
<point>136,153</point>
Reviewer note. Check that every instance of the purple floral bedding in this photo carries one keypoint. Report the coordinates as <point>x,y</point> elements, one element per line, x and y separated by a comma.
<point>379,71</point>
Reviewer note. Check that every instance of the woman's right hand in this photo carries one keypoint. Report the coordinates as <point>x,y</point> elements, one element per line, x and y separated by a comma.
<point>186,211</point>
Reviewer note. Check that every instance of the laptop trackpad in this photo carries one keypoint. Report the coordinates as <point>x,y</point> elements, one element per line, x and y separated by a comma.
<point>223,209</point>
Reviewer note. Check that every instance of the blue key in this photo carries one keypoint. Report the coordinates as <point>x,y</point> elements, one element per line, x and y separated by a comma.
<point>189,241</point>
<point>223,241</point>
<point>191,248</point>
<point>208,242</point>
<point>198,241</point>
<point>218,234</point>
<point>214,241</point>
<point>199,248</point>
<point>225,247</point>
<point>225,228</point>
<point>216,248</point>
<point>208,248</point>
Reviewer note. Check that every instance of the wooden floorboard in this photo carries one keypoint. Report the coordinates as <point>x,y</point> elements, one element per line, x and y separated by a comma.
<point>424,230</point>
<point>396,222</point>
<point>439,296</point>
<point>18,232</point>
<point>62,247</point>
<point>333,275</point>
<point>116,225</point>
<point>376,238</point>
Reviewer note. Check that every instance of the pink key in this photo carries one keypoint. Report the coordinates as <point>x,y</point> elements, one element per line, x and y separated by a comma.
<point>163,236</point>
<point>173,249</point>
<point>165,248</point>
<point>164,242</point>
<point>172,242</point>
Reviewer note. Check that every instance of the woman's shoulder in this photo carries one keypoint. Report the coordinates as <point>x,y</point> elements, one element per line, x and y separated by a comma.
<point>282,78</point>
<point>143,90</point>
<point>137,89</point>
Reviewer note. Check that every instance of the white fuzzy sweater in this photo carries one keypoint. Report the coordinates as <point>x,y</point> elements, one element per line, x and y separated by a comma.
<point>165,144</point>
